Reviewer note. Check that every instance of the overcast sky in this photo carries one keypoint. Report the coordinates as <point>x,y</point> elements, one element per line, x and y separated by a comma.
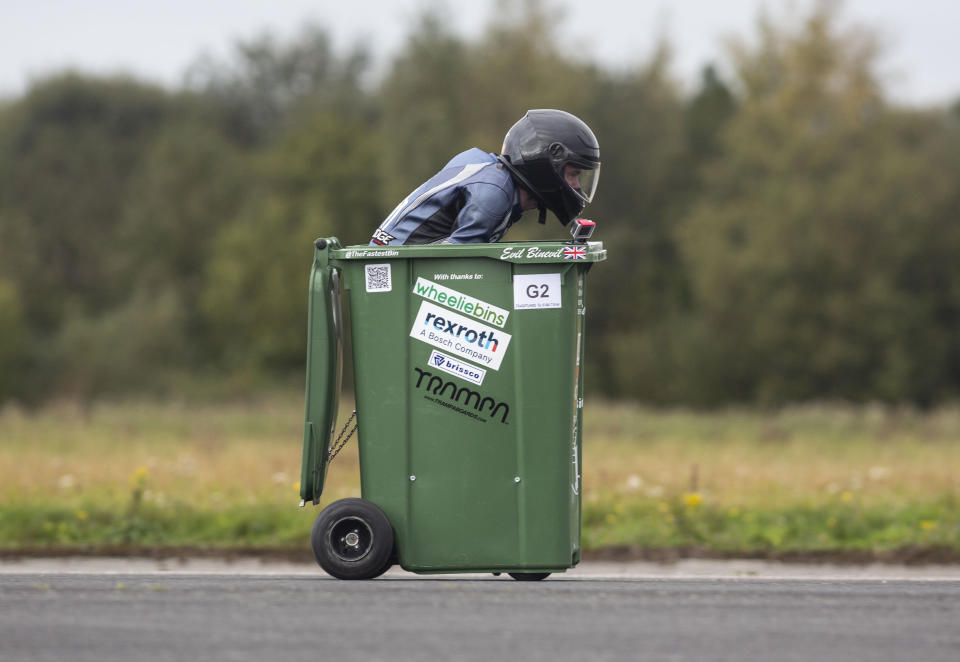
<point>157,40</point>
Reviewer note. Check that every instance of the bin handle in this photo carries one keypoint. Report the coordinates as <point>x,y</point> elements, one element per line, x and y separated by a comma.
<point>336,312</point>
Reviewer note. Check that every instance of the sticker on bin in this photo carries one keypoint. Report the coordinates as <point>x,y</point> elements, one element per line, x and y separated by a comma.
<point>378,277</point>
<point>456,367</point>
<point>463,303</point>
<point>536,291</point>
<point>459,335</point>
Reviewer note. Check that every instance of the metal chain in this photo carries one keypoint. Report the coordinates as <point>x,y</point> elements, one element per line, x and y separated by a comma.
<point>341,441</point>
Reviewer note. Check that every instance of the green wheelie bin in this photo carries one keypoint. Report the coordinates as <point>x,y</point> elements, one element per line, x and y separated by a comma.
<point>469,392</point>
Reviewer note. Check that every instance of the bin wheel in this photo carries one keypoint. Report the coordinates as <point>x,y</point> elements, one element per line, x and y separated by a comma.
<point>352,539</point>
<point>529,576</point>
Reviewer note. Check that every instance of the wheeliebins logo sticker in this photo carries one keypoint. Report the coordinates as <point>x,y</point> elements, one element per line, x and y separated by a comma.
<point>460,302</point>
<point>456,367</point>
<point>459,335</point>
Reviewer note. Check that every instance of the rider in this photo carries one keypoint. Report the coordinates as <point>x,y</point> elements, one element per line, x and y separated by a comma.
<point>549,160</point>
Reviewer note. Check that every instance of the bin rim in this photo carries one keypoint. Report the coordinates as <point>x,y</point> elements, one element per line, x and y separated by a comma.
<point>520,252</point>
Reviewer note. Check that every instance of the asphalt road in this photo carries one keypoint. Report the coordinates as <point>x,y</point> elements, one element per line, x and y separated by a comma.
<point>172,616</point>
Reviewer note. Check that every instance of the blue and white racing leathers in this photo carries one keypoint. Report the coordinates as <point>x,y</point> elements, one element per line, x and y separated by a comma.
<point>473,199</point>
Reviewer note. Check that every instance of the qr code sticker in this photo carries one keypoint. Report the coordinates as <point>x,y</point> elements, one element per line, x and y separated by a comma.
<point>378,278</point>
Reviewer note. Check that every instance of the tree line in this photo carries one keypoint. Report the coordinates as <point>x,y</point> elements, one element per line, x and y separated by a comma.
<point>781,233</point>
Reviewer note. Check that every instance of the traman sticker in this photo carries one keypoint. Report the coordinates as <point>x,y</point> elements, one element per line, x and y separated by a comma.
<point>461,399</point>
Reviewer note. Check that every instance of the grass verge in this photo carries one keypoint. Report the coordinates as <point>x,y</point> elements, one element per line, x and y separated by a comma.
<point>825,482</point>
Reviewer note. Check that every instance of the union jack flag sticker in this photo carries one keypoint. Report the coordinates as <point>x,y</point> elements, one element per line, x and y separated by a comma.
<point>575,253</point>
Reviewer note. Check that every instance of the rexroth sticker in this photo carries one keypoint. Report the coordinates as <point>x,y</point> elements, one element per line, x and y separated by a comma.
<point>459,335</point>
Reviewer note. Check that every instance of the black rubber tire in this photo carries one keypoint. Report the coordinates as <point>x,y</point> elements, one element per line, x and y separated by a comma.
<point>352,539</point>
<point>529,576</point>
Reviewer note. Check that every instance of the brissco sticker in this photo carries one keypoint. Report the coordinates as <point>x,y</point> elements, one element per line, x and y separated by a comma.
<point>456,334</point>
<point>456,367</point>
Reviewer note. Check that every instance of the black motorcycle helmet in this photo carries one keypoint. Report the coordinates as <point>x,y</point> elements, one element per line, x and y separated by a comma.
<point>556,157</point>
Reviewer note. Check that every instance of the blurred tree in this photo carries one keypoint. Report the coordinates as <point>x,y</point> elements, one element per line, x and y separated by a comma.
<point>705,116</point>
<point>317,181</point>
<point>520,62</point>
<point>67,152</point>
<point>329,162</point>
<point>315,174</point>
<point>255,294</point>
<point>191,184</point>
<point>265,81</point>
<point>661,331</point>
<point>813,244</point>
<point>137,345</point>
<point>14,343</point>
<point>423,100</point>
<point>638,118</point>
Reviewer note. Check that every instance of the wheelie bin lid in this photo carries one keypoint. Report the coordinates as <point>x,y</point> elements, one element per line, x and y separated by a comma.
<point>521,252</point>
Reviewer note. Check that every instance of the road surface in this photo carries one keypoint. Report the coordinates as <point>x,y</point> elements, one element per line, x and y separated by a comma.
<point>595,613</point>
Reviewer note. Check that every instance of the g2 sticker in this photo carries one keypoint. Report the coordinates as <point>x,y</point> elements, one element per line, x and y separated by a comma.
<point>536,291</point>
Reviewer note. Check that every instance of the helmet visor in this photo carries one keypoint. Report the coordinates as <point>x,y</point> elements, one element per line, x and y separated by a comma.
<point>583,181</point>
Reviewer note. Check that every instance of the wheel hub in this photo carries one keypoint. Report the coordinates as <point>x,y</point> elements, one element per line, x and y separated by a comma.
<point>351,538</point>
